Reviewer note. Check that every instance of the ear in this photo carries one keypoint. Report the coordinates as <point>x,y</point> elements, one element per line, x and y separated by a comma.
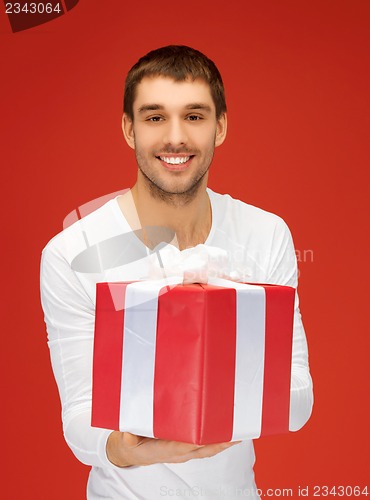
<point>221,130</point>
<point>128,130</point>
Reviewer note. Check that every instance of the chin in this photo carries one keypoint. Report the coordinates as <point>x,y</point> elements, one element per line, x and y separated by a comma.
<point>175,193</point>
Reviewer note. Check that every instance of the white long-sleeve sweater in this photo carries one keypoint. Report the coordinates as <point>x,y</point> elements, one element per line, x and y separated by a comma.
<point>260,248</point>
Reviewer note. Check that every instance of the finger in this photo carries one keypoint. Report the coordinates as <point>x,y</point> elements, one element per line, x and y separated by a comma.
<point>145,451</point>
<point>212,449</point>
<point>132,440</point>
<point>176,448</point>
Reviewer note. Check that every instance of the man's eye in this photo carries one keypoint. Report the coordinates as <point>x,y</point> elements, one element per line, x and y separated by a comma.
<point>194,118</point>
<point>154,119</point>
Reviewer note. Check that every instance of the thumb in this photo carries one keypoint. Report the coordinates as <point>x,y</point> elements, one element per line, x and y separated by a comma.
<point>132,440</point>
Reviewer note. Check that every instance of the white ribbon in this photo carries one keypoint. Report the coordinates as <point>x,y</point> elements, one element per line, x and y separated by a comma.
<point>250,359</point>
<point>195,265</point>
<point>139,345</point>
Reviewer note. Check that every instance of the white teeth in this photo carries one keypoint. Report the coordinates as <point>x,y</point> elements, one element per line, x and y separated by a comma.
<point>175,160</point>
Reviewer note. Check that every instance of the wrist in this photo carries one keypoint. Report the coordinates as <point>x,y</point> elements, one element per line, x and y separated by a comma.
<point>115,450</point>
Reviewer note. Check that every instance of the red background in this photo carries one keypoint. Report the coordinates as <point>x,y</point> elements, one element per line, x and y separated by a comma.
<point>297,79</point>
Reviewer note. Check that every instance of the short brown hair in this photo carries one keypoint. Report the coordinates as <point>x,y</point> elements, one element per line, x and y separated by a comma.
<point>180,63</point>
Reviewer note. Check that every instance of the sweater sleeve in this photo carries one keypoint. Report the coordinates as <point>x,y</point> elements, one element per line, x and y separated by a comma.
<point>69,318</point>
<point>283,271</point>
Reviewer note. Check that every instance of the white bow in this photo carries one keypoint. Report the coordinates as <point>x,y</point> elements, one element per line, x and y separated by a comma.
<point>194,265</point>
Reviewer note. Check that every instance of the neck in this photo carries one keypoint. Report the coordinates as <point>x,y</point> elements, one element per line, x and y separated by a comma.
<point>189,217</point>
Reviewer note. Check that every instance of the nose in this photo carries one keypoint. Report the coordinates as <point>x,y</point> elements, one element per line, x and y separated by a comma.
<point>175,133</point>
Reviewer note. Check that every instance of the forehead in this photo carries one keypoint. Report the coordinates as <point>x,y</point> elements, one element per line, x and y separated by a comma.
<point>172,95</point>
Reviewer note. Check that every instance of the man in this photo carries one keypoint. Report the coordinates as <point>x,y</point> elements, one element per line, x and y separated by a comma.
<point>174,117</point>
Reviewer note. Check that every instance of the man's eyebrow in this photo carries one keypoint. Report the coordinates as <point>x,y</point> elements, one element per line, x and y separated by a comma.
<point>150,107</point>
<point>192,106</point>
<point>200,106</point>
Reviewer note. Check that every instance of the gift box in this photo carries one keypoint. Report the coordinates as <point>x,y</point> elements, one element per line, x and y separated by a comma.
<point>198,363</point>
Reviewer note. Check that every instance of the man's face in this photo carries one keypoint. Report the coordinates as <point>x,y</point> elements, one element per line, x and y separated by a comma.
<point>174,133</point>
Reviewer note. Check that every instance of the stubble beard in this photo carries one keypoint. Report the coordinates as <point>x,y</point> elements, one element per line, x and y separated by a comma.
<point>173,198</point>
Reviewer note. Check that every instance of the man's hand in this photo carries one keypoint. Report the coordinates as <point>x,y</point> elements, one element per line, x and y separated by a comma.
<point>125,449</point>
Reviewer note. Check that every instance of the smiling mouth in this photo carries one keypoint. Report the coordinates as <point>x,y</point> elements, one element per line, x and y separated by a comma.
<point>175,160</point>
